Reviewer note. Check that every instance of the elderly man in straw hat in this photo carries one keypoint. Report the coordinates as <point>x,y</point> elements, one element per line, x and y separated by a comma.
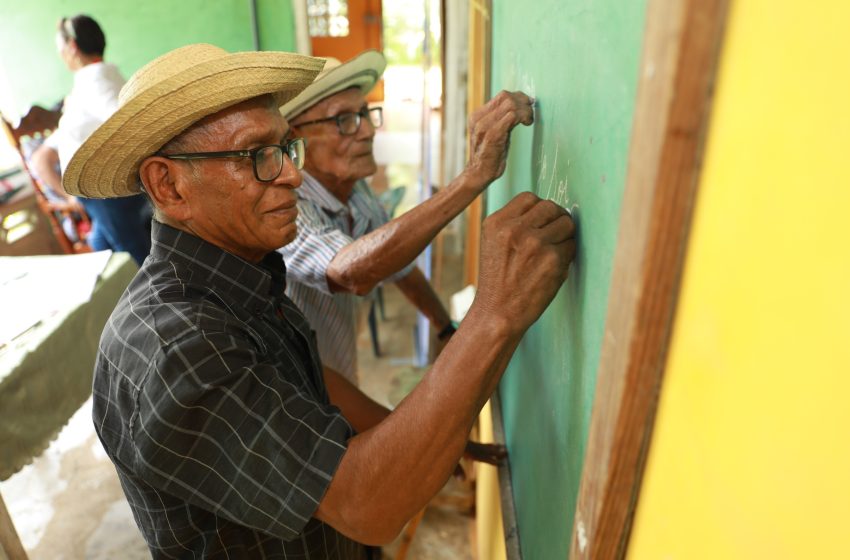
<point>325,270</point>
<point>209,395</point>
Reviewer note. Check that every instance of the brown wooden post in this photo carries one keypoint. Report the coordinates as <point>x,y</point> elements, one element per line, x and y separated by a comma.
<point>479,90</point>
<point>681,47</point>
<point>10,544</point>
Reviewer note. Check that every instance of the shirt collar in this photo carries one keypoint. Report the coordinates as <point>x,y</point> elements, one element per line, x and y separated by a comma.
<point>254,285</point>
<point>311,189</point>
<point>89,71</point>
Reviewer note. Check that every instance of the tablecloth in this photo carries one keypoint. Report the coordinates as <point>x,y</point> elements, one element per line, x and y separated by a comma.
<point>46,372</point>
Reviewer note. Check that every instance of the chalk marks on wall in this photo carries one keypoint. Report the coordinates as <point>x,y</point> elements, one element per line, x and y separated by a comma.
<point>516,74</point>
<point>549,186</point>
<point>546,189</point>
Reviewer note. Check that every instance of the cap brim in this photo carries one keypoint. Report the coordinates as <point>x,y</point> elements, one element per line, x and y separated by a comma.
<point>362,72</point>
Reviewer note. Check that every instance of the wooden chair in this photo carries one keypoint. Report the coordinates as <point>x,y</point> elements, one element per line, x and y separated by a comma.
<point>35,125</point>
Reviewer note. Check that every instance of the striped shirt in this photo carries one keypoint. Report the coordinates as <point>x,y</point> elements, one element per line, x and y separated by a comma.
<point>209,399</point>
<point>326,225</point>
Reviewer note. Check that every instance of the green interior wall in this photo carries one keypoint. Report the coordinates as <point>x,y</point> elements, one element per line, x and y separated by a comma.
<point>580,59</point>
<point>136,33</point>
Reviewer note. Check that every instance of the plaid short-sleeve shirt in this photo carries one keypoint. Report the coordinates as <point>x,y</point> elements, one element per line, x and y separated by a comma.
<point>209,399</point>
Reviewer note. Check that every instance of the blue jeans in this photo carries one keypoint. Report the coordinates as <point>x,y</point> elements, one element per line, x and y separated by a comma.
<point>120,224</point>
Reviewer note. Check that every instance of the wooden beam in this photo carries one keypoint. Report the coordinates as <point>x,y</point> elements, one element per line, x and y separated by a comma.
<point>10,544</point>
<point>479,90</point>
<point>681,47</point>
<point>506,489</point>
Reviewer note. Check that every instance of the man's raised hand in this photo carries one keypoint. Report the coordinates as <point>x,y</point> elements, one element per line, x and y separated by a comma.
<point>489,133</point>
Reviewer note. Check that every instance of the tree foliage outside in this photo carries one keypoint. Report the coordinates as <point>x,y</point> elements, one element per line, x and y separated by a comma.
<point>404,33</point>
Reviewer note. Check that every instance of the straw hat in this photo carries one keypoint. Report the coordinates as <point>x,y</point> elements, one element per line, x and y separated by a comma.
<point>168,95</point>
<point>362,71</point>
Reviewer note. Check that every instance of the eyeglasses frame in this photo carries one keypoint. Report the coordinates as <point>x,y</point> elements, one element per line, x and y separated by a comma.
<point>252,153</point>
<point>359,114</point>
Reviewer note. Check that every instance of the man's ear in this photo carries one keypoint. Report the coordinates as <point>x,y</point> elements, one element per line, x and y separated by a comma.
<point>165,183</point>
<point>74,48</point>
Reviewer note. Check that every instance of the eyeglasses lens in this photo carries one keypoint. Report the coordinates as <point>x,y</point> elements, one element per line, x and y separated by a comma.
<point>296,152</point>
<point>269,162</point>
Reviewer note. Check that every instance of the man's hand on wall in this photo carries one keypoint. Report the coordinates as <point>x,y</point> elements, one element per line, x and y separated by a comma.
<point>489,133</point>
<point>526,249</point>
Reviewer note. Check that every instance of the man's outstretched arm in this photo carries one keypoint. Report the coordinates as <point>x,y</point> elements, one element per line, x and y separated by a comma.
<point>421,294</point>
<point>358,408</point>
<point>392,470</point>
<point>363,414</point>
<point>359,266</point>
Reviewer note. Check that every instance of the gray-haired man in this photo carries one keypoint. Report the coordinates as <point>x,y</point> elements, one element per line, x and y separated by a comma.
<point>208,395</point>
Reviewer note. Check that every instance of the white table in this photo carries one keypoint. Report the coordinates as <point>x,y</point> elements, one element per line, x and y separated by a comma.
<point>46,370</point>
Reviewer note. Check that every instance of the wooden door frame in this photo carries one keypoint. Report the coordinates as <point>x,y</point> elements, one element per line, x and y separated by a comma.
<point>478,86</point>
<point>681,48</point>
<point>360,29</point>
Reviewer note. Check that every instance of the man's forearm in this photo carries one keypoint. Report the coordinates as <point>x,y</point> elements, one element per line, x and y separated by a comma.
<point>44,162</point>
<point>361,411</point>
<point>397,466</point>
<point>385,251</point>
<point>358,267</point>
<point>420,293</point>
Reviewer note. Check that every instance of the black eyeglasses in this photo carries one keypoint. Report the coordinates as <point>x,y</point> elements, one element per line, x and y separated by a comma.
<point>267,160</point>
<point>349,123</point>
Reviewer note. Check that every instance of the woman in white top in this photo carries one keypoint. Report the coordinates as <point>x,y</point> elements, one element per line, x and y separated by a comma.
<point>120,224</point>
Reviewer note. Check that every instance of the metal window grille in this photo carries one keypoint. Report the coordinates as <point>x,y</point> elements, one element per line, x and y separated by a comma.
<point>327,18</point>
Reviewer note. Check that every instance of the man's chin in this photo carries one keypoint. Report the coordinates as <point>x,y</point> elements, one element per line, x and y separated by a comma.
<point>366,167</point>
<point>288,234</point>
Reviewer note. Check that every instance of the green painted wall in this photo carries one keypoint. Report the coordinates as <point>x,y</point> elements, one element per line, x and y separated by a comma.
<point>136,33</point>
<point>580,59</point>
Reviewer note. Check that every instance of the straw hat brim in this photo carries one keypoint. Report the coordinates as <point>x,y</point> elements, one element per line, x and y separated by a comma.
<point>107,163</point>
<point>363,71</point>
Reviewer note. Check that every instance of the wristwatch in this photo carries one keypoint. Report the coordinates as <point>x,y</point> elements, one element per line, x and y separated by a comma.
<point>447,331</point>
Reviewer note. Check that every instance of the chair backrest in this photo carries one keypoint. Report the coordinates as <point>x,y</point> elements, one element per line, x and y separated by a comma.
<point>38,122</point>
<point>33,128</point>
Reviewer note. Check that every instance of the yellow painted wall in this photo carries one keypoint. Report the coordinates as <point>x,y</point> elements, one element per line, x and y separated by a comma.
<point>750,457</point>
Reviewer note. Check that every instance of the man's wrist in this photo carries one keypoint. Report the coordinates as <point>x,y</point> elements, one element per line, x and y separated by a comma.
<point>447,331</point>
<point>475,179</point>
<point>497,324</point>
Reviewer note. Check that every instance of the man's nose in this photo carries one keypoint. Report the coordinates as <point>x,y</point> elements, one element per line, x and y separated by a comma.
<point>367,129</point>
<point>290,176</point>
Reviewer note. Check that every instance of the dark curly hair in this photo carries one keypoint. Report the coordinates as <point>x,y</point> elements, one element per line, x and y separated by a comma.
<point>85,31</point>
